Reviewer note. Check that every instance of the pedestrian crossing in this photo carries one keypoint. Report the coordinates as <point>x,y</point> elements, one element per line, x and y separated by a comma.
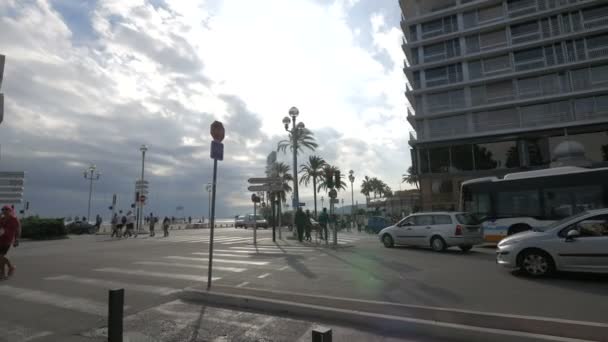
<point>223,240</point>
<point>85,292</point>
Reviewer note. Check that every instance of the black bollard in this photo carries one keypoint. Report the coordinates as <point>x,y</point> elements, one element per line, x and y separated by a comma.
<point>321,335</point>
<point>115,313</point>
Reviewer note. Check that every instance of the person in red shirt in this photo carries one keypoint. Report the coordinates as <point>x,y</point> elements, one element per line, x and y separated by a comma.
<point>10,230</point>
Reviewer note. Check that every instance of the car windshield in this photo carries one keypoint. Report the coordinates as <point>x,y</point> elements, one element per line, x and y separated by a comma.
<point>468,219</point>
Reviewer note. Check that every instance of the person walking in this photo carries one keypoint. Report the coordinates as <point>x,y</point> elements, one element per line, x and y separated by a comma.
<point>152,222</point>
<point>114,224</point>
<point>10,232</point>
<point>98,222</point>
<point>301,220</point>
<point>129,221</point>
<point>166,226</point>
<point>308,227</point>
<point>323,221</point>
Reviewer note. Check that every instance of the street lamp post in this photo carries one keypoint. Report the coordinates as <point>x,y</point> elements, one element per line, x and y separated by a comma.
<point>140,218</point>
<point>351,178</point>
<point>322,200</point>
<point>91,175</point>
<point>295,129</point>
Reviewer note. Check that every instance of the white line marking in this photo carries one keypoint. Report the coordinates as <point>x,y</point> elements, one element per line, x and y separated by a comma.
<point>273,249</point>
<point>263,275</point>
<point>283,268</point>
<point>71,303</point>
<point>115,284</point>
<point>261,251</point>
<point>201,267</point>
<point>38,335</point>
<point>155,274</point>
<point>244,262</point>
<point>222,254</point>
<point>280,247</point>
<point>245,283</point>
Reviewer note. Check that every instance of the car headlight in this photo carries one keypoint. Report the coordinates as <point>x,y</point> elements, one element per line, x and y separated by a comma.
<point>508,243</point>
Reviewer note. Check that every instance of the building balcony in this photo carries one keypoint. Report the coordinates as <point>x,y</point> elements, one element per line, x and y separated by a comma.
<point>413,137</point>
<point>409,94</point>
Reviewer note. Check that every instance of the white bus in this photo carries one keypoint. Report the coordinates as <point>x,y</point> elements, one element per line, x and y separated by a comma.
<point>533,199</point>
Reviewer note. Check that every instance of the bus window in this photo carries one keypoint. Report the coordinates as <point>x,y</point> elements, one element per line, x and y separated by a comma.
<point>564,202</point>
<point>518,203</point>
<point>477,203</point>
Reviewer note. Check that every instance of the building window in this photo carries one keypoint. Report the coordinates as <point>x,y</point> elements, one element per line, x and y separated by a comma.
<point>417,83</point>
<point>424,160</point>
<point>492,40</point>
<point>445,127</point>
<point>443,75</point>
<point>537,151</point>
<point>529,59</point>
<point>597,46</point>
<point>482,16</point>
<point>591,107</point>
<point>496,65</point>
<point>462,158</point>
<point>442,186</point>
<point>441,51</point>
<point>444,101</point>
<point>492,93</point>
<point>439,27</point>
<point>595,145</point>
<point>525,32</point>
<point>440,159</point>
<point>498,155</point>
<point>595,16</point>
<point>413,33</point>
<point>545,113</point>
<point>494,120</point>
<point>518,8</point>
<point>540,85</point>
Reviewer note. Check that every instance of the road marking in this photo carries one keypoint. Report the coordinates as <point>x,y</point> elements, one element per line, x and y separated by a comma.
<point>201,267</point>
<point>155,274</point>
<point>273,249</point>
<point>263,275</point>
<point>115,284</point>
<point>244,262</point>
<point>221,254</point>
<point>13,332</point>
<point>280,247</point>
<point>245,283</point>
<point>261,251</point>
<point>283,268</point>
<point>60,301</point>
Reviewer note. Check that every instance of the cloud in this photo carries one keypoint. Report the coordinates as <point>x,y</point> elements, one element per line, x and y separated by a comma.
<point>103,78</point>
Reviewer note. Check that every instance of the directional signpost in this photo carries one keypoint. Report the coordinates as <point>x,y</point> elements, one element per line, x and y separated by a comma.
<point>11,187</point>
<point>1,95</point>
<point>268,184</point>
<point>217,153</point>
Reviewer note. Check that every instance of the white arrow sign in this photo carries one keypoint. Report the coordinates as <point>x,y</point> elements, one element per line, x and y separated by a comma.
<point>11,182</point>
<point>269,188</point>
<point>10,201</point>
<point>11,194</point>
<point>265,180</point>
<point>11,189</point>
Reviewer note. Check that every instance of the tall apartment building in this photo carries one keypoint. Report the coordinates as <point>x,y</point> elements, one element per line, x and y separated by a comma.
<point>496,85</point>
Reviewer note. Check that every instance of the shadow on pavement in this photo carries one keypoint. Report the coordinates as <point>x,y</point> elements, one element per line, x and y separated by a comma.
<point>294,262</point>
<point>594,282</point>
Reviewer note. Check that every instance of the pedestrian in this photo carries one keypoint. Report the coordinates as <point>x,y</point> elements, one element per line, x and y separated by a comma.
<point>129,222</point>
<point>323,221</point>
<point>166,226</point>
<point>152,221</point>
<point>10,232</point>
<point>308,227</point>
<point>189,219</point>
<point>301,220</point>
<point>114,223</point>
<point>98,221</point>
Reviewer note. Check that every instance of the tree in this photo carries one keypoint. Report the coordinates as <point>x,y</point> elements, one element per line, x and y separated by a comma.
<point>281,170</point>
<point>305,139</point>
<point>341,185</point>
<point>366,186</point>
<point>411,177</point>
<point>311,171</point>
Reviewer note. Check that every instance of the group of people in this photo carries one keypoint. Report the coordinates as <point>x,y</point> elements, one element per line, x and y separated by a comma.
<point>10,232</point>
<point>128,222</point>
<point>304,225</point>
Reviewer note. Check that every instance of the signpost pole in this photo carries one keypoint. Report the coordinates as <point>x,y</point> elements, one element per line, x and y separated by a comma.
<point>274,218</point>
<point>255,224</point>
<point>212,224</point>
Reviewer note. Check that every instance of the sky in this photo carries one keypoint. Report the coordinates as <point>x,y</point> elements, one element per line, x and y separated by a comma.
<point>88,82</point>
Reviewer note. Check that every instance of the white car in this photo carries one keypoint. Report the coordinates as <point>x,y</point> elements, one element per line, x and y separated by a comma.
<point>438,230</point>
<point>576,243</point>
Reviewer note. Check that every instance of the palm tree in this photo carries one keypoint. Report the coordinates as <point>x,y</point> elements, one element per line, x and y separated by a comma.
<point>377,186</point>
<point>411,177</point>
<point>331,169</point>
<point>310,171</point>
<point>305,139</point>
<point>366,187</point>
<point>281,170</point>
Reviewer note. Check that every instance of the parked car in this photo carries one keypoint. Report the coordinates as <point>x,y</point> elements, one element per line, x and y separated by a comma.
<point>80,227</point>
<point>247,221</point>
<point>577,243</point>
<point>438,230</point>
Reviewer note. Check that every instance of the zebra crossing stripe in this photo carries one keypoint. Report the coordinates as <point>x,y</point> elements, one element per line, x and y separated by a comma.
<point>201,267</point>
<point>222,254</point>
<point>13,332</point>
<point>163,291</point>
<point>227,261</point>
<point>155,274</point>
<point>273,249</point>
<point>60,301</point>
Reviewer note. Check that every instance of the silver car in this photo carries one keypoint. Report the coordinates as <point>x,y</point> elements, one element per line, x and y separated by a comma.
<point>438,230</point>
<point>577,243</point>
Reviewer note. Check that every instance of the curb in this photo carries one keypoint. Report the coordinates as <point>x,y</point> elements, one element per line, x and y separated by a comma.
<point>419,320</point>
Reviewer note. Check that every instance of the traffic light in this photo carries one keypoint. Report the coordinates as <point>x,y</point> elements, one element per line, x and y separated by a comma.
<point>337,178</point>
<point>329,178</point>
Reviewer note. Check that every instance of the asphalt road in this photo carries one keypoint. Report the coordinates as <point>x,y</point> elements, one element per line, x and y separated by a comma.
<point>60,288</point>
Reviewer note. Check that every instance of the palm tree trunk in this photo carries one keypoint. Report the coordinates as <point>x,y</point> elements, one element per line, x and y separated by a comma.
<point>314,192</point>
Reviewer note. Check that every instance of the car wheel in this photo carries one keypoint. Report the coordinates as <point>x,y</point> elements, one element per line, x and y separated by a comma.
<point>387,240</point>
<point>437,244</point>
<point>465,248</point>
<point>536,263</point>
